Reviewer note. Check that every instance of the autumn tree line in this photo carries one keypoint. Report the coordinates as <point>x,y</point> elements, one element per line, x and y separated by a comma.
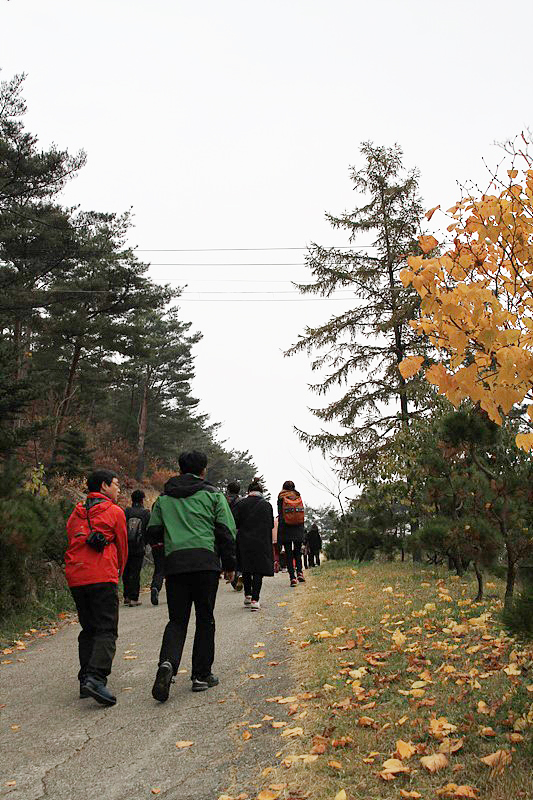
<point>96,360</point>
<point>427,378</point>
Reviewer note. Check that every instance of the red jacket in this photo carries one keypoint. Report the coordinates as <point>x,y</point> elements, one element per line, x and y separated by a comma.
<point>83,564</point>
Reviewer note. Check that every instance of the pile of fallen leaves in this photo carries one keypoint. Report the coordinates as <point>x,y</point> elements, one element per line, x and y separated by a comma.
<point>409,690</point>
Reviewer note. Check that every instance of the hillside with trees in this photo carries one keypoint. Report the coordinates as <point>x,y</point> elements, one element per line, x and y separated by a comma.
<point>96,360</point>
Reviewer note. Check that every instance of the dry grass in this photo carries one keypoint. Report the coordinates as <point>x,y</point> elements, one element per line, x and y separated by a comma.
<point>427,653</point>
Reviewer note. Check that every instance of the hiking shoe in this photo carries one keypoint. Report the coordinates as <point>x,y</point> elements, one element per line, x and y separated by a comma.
<point>201,684</point>
<point>294,582</point>
<point>93,687</point>
<point>247,600</point>
<point>255,605</point>
<point>300,577</point>
<point>238,583</point>
<point>163,679</point>
<point>154,596</point>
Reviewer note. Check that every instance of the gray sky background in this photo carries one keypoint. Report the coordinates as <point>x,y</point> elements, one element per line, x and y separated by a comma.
<point>233,125</point>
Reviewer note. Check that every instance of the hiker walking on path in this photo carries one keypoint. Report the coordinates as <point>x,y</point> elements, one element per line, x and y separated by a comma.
<point>291,531</point>
<point>233,497</point>
<point>314,544</point>
<point>193,521</point>
<point>254,518</point>
<point>96,555</point>
<point>137,522</point>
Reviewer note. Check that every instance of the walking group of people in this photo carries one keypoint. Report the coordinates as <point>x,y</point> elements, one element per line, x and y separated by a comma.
<point>196,533</point>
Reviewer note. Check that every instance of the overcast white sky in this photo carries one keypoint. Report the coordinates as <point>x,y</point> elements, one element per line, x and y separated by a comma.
<point>233,125</point>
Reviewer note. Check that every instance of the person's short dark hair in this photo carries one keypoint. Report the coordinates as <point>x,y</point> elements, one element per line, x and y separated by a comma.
<point>137,497</point>
<point>234,487</point>
<point>98,477</point>
<point>255,486</point>
<point>289,485</point>
<point>192,461</point>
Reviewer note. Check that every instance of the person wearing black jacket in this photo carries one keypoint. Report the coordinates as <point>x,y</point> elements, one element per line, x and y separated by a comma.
<point>136,544</point>
<point>314,543</point>
<point>233,497</point>
<point>291,537</point>
<point>254,519</point>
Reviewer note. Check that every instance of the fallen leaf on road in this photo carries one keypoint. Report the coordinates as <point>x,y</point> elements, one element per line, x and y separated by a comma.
<point>281,604</point>
<point>255,676</point>
<point>246,735</point>
<point>261,654</point>
<point>156,791</point>
<point>340,795</point>
<point>15,728</point>
<point>181,745</point>
<point>335,764</point>
<point>129,658</point>
<point>284,700</point>
<point>256,726</point>
<point>415,795</point>
<point>453,790</point>
<point>259,644</point>
<point>273,663</point>
<point>365,722</point>
<point>279,724</point>
<point>11,783</point>
<point>292,732</point>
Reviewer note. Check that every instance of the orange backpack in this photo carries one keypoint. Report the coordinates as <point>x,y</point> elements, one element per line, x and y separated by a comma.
<point>292,509</point>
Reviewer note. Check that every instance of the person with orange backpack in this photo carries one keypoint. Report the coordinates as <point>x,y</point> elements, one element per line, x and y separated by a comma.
<point>291,531</point>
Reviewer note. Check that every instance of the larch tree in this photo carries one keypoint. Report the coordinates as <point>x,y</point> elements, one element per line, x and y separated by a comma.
<point>360,349</point>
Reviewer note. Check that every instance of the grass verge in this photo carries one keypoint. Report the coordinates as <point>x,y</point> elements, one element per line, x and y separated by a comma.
<point>394,661</point>
<point>42,615</point>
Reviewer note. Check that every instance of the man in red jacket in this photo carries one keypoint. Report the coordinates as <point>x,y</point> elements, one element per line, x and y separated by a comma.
<point>96,555</point>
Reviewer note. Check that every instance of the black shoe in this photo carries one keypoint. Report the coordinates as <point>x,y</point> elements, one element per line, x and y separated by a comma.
<point>83,691</point>
<point>154,596</point>
<point>201,684</point>
<point>300,577</point>
<point>93,687</point>
<point>163,679</point>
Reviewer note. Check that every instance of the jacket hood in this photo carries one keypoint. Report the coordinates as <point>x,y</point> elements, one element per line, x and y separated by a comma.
<point>96,502</point>
<point>186,485</point>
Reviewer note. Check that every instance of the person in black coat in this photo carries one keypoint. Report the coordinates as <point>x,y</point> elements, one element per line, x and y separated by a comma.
<point>314,544</point>
<point>136,521</point>
<point>233,496</point>
<point>254,518</point>
<point>291,537</point>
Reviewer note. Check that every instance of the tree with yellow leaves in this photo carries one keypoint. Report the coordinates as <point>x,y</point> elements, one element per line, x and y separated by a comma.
<point>477,300</point>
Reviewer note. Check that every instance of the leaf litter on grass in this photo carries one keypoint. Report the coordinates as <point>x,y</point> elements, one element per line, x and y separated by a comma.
<point>422,657</point>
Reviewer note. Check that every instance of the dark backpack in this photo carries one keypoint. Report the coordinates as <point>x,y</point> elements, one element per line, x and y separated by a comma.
<point>135,534</point>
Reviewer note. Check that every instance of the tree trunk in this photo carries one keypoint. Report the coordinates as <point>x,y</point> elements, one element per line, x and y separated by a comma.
<point>141,437</point>
<point>511,580</point>
<point>67,396</point>
<point>479,576</point>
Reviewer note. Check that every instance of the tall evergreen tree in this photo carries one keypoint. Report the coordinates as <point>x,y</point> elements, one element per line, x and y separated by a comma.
<point>362,347</point>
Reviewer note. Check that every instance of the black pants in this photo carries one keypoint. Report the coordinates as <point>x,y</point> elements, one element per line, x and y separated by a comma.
<point>132,576</point>
<point>183,590</point>
<point>97,605</point>
<point>314,559</point>
<point>252,584</point>
<point>293,552</point>
<point>158,554</point>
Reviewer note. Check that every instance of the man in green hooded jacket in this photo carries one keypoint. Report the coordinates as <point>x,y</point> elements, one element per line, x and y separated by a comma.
<point>194,523</point>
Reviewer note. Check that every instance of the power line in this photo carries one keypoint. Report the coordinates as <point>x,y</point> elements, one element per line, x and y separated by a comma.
<point>244,249</point>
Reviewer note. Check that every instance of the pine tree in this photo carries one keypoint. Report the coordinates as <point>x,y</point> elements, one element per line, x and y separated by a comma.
<point>362,347</point>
